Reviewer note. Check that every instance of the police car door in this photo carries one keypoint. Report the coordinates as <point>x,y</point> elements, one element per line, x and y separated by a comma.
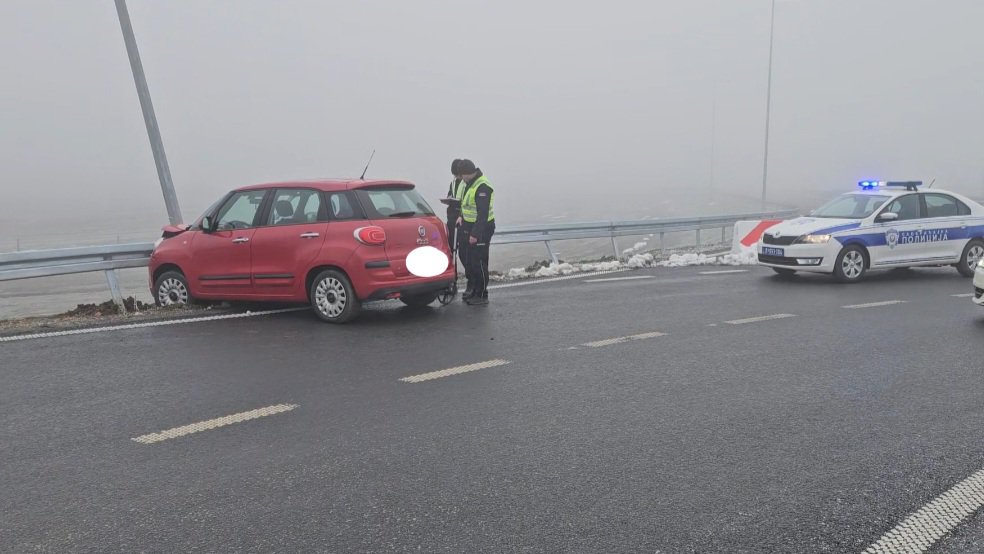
<point>901,235</point>
<point>945,230</point>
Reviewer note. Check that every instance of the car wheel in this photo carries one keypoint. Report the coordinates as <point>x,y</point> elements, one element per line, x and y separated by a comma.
<point>419,300</point>
<point>171,289</point>
<point>851,265</point>
<point>972,254</point>
<point>333,297</point>
<point>784,272</point>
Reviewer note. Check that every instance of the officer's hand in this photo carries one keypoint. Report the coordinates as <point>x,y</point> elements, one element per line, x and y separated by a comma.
<point>458,222</point>
<point>472,240</point>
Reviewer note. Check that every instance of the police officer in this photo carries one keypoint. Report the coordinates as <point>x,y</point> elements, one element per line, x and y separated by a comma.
<point>478,222</point>
<point>456,191</point>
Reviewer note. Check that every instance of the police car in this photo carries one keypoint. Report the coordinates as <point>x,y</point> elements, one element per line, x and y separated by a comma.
<point>882,225</point>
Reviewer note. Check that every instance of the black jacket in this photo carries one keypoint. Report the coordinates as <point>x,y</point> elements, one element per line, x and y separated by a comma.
<point>453,211</point>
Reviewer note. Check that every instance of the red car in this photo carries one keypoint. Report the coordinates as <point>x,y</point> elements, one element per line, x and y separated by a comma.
<point>332,243</point>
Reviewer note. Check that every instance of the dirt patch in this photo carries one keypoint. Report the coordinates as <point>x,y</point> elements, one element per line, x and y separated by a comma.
<point>107,313</point>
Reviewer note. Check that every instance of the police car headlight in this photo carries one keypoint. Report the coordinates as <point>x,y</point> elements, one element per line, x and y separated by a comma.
<point>813,239</point>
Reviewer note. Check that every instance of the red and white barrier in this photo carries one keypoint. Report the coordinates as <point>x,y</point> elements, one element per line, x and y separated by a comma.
<point>748,233</point>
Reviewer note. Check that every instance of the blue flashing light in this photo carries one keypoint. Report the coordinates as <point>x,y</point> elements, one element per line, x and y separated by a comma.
<point>868,185</point>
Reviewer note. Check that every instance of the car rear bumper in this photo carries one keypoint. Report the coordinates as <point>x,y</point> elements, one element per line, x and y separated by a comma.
<point>409,289</point>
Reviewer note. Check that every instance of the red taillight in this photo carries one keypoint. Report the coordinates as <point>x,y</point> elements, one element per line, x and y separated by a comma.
<point>373,236</point>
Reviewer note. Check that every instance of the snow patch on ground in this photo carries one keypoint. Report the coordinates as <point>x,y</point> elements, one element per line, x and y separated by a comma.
<point>636,261</point>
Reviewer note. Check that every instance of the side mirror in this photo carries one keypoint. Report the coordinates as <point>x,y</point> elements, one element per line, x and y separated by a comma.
<point>888,216</point>
<point>207,224</point>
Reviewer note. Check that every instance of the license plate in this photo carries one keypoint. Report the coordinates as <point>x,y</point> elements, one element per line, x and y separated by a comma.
<point>766,251</point>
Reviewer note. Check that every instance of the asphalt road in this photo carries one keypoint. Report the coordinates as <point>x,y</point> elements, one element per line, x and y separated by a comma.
<point>816,430</point>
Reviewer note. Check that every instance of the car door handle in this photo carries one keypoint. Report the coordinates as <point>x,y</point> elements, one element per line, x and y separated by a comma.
<point>310,235</point>
<point>240,239</point>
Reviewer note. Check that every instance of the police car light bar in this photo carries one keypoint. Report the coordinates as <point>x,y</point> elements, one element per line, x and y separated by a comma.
<point>909,185</point>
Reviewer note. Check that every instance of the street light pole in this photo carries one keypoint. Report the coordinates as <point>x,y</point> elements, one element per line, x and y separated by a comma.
<point>163,172</point>
<point>768,106</point>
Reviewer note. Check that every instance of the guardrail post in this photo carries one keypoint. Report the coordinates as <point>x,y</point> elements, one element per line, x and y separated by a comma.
<point>661,244</point>
<point>114,287</point>
<point>698,241</point>
<point>550,251</point>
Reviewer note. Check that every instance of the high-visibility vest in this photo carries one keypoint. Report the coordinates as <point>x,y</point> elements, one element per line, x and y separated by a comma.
<point>458,190</point>
<point>469,208</point>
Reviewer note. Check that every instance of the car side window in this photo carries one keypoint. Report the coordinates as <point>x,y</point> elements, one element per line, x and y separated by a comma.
<point>342,207</point>
<point>906,206</point>
<point>942,205</point>
<point>294,206</point>
<point>239,212</point>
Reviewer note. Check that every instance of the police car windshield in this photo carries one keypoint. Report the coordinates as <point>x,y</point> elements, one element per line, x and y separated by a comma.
<point>850,206</point>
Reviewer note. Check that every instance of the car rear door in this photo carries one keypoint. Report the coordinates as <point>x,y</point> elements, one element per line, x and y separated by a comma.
<point>406,218</point>
<point>293,230</point>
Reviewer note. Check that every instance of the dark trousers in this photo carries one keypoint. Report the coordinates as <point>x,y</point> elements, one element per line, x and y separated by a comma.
<point>477,263</point>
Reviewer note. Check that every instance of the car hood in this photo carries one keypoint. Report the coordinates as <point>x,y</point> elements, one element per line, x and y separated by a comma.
<point>811,226</point>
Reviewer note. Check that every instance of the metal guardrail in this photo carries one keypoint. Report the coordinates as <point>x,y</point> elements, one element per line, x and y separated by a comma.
<point>29,264</point>
<point>614,229</point>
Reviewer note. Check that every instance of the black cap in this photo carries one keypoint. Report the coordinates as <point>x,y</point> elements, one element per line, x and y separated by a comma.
<point>466,167</point>
<point>454,167</point>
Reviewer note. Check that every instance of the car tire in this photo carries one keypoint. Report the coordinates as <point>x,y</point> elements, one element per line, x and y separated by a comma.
<point>419,300</point>
<point>333,298</point>
<point>783,272</point>
<point>851,264</point>
<point>171,289</point>
<point>972,253</point>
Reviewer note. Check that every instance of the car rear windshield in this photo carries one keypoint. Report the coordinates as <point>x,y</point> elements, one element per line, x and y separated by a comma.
<point>393,201</point>
<point>850,206</point>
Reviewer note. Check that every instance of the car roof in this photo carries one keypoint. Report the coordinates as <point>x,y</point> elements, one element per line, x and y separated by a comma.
<point>899,191</point>
<point>329,185</point>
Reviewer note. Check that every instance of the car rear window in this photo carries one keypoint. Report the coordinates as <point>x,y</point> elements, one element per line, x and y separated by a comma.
<point>393,201</point>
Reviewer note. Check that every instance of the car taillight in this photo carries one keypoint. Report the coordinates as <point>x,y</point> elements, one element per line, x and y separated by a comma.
<point>373,236</point>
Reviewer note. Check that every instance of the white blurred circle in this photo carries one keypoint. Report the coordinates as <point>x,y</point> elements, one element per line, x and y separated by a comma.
<point>427,261</point>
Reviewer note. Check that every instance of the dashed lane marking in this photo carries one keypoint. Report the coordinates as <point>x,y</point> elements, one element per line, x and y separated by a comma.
<point>213,423</point>
<point>967,295</point>
<point>147,324</point>
<point>874,304</point>
<point>918,532</point>
<point>724,271</point>
<point>453,371</point>
<point>620,340</point>
<point>759,318</point>
<point>618,279</point>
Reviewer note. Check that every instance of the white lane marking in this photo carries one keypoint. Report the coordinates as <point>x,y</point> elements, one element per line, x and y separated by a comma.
<point>724,271</point>
<point>759,318</point>
<point>147,324</point>
<point>453,371</point>
<point>920,530</point>
<point>564,278</point>
<point>213,423</point>
<point>874,304</point>
<point>619,340</point>
<point>968,295</point>
<point>617,279</point>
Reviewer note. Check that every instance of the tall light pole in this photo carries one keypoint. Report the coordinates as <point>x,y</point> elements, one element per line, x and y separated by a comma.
<point>163,172</point>
<point>768,106</point>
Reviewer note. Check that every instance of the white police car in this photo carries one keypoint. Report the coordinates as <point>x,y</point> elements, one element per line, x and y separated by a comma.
<point>882,225</point>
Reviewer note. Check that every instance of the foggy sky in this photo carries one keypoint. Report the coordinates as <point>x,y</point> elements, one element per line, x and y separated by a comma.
<point>548,98</point>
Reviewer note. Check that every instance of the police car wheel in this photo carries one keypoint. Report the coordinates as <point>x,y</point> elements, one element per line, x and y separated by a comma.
<point>972,254</point>
<point>784,272</point>
<point>851,264</point>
